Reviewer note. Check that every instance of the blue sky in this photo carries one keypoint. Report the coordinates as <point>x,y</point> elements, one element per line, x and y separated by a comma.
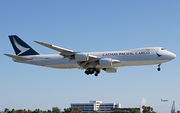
<point>90,26</point>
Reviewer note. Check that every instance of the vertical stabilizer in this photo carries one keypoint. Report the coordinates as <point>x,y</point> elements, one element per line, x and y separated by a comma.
<point>20,47</point>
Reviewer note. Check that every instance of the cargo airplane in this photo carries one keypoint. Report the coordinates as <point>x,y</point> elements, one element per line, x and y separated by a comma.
<point>92,62</point>
<point>164,100</point>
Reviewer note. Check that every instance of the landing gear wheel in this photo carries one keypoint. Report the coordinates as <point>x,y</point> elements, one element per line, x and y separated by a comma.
<point>96,74</point>
<point>87,72</point>
<point>94,71</point>
<point>91,72</point>
<point>159,68</point>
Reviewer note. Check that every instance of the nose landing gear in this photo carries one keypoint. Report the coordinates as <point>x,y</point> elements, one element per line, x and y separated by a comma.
<point>159,68</point>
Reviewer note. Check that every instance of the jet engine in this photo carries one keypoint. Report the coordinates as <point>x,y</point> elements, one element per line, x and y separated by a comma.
<point>81,56</point>
<point>105,62</point>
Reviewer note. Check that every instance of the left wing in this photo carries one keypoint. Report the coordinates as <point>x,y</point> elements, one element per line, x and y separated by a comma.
<point>60,49</point>
<point>85,60</point>
<point>82,58</point>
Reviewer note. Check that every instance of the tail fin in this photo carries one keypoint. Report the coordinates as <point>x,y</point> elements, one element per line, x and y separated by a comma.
<point>20,47</point>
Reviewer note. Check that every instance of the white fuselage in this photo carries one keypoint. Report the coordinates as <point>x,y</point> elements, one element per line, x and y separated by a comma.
<point>133,57</point>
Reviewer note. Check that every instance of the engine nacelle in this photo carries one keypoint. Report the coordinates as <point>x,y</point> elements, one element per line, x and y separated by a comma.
<point>111,70</point>
<point>81,56</point>
<point>105,62</point>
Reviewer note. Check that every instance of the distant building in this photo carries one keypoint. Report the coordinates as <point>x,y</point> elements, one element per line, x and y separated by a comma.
<point>96,106</point>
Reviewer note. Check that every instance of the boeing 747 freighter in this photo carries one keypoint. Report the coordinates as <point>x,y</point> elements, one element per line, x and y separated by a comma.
<point>92,62</point>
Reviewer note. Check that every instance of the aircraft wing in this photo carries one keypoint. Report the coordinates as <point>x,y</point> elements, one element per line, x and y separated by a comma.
<point>83,59</point>
<point>60,49</point>
<point>67,53</point>
<point>18,57</point>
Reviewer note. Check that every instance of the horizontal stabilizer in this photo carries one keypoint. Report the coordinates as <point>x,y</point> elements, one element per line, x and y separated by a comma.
<point>18,57</point>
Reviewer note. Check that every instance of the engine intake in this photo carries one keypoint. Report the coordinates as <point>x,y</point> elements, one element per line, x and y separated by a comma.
<point>105,62</point>
<point>81,56</point>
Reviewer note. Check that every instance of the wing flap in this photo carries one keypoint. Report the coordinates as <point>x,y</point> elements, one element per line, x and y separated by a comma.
<point>18,57</point>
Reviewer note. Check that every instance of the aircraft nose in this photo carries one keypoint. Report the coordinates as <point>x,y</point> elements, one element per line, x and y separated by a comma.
<point>172,55</point>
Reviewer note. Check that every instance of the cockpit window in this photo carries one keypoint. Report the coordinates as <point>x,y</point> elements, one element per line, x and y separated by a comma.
<point>162,48</point>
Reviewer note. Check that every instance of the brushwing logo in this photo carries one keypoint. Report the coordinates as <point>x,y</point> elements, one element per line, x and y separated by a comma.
<point>158,55</point>
<point>21,48</point>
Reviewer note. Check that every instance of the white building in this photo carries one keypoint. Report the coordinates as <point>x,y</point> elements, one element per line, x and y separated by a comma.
<point>96,106</point>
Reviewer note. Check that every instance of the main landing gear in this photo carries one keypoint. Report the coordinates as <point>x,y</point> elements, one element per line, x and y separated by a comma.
<point>159,68</point>
<point>92,71</point>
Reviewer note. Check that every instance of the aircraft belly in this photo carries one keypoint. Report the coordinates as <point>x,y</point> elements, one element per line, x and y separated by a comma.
<point>64,66</point>
<point>136,63</point>
<point>54,63</point>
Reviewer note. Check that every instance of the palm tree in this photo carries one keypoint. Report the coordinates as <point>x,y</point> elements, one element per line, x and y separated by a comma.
<point>6,110</point>
<point>147,109</point>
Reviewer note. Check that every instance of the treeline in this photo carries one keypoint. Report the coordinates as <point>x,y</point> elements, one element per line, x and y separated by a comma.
<point>146,109</point>
<point>54,110</point>
<point>66,110</point>
<point>77,110</point>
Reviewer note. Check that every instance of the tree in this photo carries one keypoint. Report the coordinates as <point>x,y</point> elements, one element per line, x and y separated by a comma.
<point>116,111</point>
<point>147,109</point>
<point>72,110</point>
<point>20,111</point>
<point>44,111</point>
<point>178,111</point>
<point>6,110</point>
<point>93,112</point>
<point>120,111</point>
<point>133,110</point>
<point>37,111</point>
<point>29,111</point>
<point>48,111</point>
<point>56,110</point>
<point>13,111</point>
